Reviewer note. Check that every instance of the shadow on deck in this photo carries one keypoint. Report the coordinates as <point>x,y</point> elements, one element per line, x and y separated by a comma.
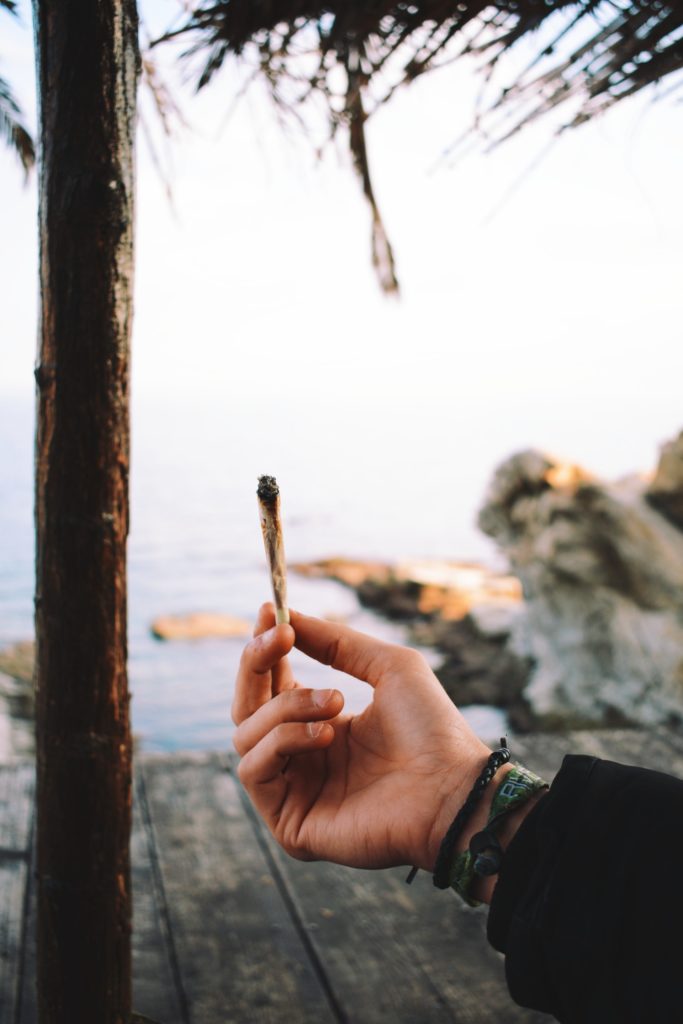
<point>229,929</point>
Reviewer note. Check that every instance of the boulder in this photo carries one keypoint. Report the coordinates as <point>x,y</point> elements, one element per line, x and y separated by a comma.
<point>351,572</point>
<point>601,567</point>
<point>199,626</point>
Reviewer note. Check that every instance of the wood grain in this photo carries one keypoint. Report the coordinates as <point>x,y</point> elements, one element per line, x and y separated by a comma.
<point>156,988</point>
<point>398,953</point>
<point>87,68</point>
<point>239,953</point>
<point>228,928</point>
<point>17,783</point>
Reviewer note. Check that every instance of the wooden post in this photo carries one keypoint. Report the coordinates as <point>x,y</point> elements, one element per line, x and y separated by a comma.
<point>88,60</point>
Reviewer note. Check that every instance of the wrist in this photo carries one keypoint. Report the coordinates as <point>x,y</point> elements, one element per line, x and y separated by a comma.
<point>453,793</point>
<point>482,887</point>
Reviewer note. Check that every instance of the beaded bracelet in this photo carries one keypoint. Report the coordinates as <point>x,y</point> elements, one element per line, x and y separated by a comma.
<point>445,855</point>
<point>484,855</point>
<point>444,860</point>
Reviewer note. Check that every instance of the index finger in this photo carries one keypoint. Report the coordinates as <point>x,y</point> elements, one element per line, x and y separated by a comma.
<point>346,649</point>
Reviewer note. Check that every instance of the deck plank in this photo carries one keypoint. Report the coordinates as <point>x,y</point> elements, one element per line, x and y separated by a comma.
<point>156,991</point>
<point>239,953</point>
<point>17,783</point>
<point>28,997</point>
<point>17,789</point>
<point>398,953</point>
<point>227,927</point>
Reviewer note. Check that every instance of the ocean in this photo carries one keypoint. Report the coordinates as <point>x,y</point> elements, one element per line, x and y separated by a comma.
<point>364,484</point>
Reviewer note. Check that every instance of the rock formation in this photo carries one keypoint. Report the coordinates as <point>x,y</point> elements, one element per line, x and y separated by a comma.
<point>199,626</point>
<point>601,566</point>
<point>463,610</point>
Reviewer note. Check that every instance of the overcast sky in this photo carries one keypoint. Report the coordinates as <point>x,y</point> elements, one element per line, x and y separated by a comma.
<point>552,299</point>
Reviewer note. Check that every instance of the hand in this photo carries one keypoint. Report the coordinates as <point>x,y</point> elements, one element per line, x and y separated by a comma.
<point>369,790</point>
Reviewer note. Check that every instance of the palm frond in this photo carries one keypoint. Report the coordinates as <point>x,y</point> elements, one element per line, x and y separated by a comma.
<point>166,119</point>
<point>12,130</point>
<point>625,45</point>
<point>590,55</point>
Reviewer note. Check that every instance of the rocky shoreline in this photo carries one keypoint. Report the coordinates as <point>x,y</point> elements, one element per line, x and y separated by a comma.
<point>587,629</point>
<point>584,631</point>
<point>17,703</point>
<point>462,610</point>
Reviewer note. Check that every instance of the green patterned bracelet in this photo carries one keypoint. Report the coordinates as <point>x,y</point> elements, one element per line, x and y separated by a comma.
<point>485,852</point>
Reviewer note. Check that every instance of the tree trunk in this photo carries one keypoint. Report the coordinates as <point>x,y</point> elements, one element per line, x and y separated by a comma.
<point>87,72</point>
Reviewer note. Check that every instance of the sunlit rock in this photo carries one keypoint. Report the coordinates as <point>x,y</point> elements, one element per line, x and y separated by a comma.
<point>199,626</point>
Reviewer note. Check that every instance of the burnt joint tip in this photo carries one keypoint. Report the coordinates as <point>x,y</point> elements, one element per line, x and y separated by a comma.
<point>268,489</point>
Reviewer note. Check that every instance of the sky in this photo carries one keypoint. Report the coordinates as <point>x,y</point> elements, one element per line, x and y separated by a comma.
<point>539,307</point>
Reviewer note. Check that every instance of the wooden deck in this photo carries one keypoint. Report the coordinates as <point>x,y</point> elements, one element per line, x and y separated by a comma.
<point>228,929</point>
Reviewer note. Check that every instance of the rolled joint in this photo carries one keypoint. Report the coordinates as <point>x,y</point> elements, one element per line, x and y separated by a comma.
<point>268,490</point>
<point>268,494</point>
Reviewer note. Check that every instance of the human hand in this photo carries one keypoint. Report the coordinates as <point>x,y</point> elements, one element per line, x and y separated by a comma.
<point>369,790</point>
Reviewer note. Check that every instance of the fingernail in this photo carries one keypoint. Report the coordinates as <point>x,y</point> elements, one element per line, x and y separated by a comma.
<point>314,729</point>
<point>264,638</point>
<point>322,697</point>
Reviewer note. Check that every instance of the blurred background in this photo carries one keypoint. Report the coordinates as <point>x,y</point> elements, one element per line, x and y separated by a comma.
<point>540,307</point>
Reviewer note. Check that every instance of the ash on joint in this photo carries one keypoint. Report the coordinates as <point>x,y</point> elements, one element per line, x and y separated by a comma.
<point>268,489</point>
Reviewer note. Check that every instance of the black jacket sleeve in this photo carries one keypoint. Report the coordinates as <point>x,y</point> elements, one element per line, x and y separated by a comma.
<point>588,908</point>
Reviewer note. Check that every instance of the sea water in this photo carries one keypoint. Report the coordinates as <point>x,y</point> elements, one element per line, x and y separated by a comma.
<point>362,482</point>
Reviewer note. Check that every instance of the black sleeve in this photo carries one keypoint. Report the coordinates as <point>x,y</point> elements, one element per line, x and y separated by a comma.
<point>588,907</point>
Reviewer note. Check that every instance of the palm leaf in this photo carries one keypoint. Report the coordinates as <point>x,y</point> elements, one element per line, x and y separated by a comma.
<point>11,128</point>
<point>590,55</point>
<point>624,47</point>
